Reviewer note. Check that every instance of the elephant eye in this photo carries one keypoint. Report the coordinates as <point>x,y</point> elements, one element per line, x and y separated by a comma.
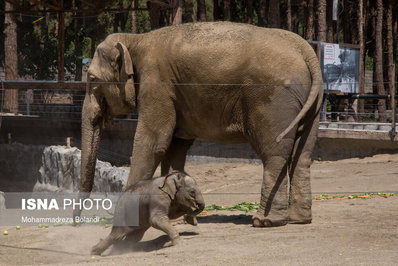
<point>192,193</point>
<point>91,78</point>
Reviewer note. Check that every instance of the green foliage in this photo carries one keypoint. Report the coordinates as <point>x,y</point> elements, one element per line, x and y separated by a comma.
<point>244,206</point>
<point>38,52</point>
<point>368,63</point>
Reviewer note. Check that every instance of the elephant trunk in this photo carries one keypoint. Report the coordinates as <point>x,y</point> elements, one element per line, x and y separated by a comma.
<point>200,204</point>
<point>91,132</point>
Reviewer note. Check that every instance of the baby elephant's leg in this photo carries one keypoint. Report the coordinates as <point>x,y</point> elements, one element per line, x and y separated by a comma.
<point>132,237</point>
<point>163,223</point>
<point>136,234</point>
<point>191,220</point>
<point>117,233</point>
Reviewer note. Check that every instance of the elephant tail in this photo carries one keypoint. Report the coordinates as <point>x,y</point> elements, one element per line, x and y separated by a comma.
<point>316,91</point>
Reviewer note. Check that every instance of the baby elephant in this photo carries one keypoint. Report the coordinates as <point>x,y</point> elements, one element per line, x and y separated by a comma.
<point>160,200</point>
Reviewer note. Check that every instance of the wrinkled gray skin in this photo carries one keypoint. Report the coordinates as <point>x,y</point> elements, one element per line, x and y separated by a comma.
<point>220,82</point>
<point>160,200</point>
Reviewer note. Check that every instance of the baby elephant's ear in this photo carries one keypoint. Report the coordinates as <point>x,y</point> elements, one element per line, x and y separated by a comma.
<point>171,184</point>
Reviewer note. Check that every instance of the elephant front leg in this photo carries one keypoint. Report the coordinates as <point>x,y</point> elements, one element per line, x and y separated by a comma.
<point>175,160</point>
<point>163,223</point>
<point>274,198</point>
<point>152,140</point>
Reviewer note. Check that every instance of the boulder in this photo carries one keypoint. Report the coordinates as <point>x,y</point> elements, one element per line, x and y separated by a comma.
<point>60,171</point>
<point>2,201</point>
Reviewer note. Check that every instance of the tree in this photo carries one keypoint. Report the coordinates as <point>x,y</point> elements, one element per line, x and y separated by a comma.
<point>249,8</point>
<point>321,25</point>
<point>227,10</point>
<point>134,4</point>
<point>177,12</point>
<point>309,34</point>
<point>216,10</point>
<point>11,59</point>
<point>201,10</point>
<point>79,33</point>
<point>378,61</point>
<point>274,17</point>
<point>289,15</point>
<point>154,14</point>
<point>329,22</point>
<point>361,107</point>
<point>262,7</point>
<point>390,64</point>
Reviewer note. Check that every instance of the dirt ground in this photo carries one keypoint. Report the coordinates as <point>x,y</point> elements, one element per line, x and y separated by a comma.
<point>343,231</point>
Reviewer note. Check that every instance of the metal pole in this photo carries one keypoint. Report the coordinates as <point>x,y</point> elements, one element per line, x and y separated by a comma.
<point>393,111</point>
<point>336,17</point>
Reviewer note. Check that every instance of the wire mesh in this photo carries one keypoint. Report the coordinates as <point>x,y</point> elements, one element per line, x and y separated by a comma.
<point>67,103</point>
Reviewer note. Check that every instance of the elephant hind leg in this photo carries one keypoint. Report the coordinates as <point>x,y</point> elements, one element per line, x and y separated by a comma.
<point>274,197</point>
<point>300,196</point>
<point>273,204</point>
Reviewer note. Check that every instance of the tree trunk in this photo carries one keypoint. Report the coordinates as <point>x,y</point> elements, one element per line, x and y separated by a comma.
<point>154,14</point>
<point>378,62</point>
<point>361,106</point>
<point>329,22</point>
<point>274,17</point>
<point>134,4</point>
<point>216,10</point>
<point>321,25</point>
<point>289,15</point>
<point>395,34</point>
<point>177,12</point>
<point>261,14</point>
<point>78,44</point>
<point>309,35</point>
<point>390,66</point>
<point>227,10</point>
<point>201,10</point>
<point>249,7</point>
<point>11,59</point>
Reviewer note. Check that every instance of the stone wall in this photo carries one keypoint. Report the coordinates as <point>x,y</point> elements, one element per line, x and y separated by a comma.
<point>60,170</point>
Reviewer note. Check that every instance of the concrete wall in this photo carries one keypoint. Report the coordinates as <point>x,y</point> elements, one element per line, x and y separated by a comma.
<point>336,140</point>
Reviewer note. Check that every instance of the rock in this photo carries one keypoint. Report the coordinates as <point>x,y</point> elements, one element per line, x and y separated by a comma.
<point>2,201</point>
<point>60,171</point>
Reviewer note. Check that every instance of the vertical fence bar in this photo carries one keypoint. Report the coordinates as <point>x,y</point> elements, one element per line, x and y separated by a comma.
<point>393,111</point>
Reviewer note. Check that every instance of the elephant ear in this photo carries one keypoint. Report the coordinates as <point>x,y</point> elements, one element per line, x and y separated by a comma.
<point>126,73</point>
<point>172,183</point>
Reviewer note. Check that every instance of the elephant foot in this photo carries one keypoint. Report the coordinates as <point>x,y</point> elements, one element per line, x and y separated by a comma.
<point>191,220</point>
<point>97,250</point>
<point>261,221</point>
<point>175,241</point>
<point>300,216</point>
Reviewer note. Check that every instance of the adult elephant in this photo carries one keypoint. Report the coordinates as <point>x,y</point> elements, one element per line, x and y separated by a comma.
<point>219,82</point>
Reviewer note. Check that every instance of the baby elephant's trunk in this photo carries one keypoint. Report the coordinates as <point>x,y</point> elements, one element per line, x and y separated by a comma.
<point>200,204</point>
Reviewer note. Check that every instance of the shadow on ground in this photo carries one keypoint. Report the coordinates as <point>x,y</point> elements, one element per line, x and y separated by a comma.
<point>158,243</point>
<point>220,218</point>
